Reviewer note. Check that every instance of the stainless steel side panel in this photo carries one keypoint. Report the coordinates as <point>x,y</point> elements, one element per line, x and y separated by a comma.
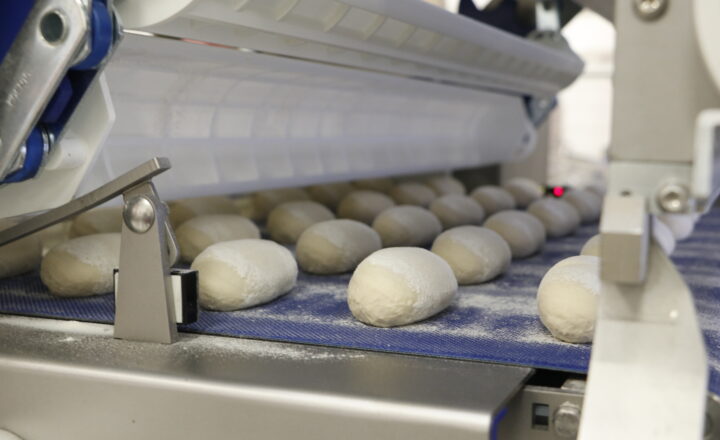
<point>68,380</point>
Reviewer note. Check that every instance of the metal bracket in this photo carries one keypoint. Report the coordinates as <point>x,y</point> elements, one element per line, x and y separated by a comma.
<point>51,40</point>
<point>144,309</point>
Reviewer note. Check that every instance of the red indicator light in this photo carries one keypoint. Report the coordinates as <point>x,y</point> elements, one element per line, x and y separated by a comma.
<point>558,191</point>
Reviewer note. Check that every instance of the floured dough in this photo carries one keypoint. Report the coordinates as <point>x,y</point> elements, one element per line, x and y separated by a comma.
<point>266,201</point>
<point>591,247</point>
<point>399,286</point>
<point>524,233</point>
<point>335,246</point>
<point>287,221</point>
<point>443,185</point>
<point>20,256</point>
<point>567,298</point>
<point>330,194</point>
<point>407,226</point>
<point>364,205</point>
<point>681,225</point>
<point>493,199</point>
<point>587,203</point>
<point>185,209</point>
<point>524,191</point>
<point>82,266</point>
<point>381,184</point>
<point>97,221</point>
<point>200,232</point>
<point>413,193</point>
<point>475,254</point>
<point>243,273</point>
<point>558,216</point>
<point>457,210</point>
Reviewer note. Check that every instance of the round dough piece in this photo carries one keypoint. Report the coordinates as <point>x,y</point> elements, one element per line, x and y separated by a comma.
<point>567,298</point>
<point>399,286</point>
<point>444,185</point>
<point>413,193</point>
<point>335,246</point>
<point>493,199</point>
<point>681,225</point>
<point>287,221</point>
<point>381,184</point>
<point>265,201</point>
<point>82,266</point>
<point>591,247</point>
<point>20,256</point>
<point>244,273</point>
<point>185,209</point>
<point>587,203</point>
<point>559,217</point>
<point>97,221</point>
<point>364,206</point>
<point>407,225</point>
<point>475,254</point>
<point>524,233</point>
<point>202,231</point>
<point>457,210</point>
<point>524,191</point>
<point>330,194</point>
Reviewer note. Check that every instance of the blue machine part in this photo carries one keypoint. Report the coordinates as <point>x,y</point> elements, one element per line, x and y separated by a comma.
<point>72,87</point>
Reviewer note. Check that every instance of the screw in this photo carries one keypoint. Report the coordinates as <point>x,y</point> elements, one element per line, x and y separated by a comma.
<point>566,420</point>
<point>139,214</point>
<point>673,197</point>
<point>52,27</point>
<point>650,9</point>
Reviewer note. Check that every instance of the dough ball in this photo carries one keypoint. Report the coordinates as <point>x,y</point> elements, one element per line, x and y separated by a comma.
<point>287,221</point>
<point>266,201</point>
<point>330,194</point>
<point>413,193</point>
<point>185,209</point>
<point>244,273</point>
<point>524,191</point>
<point>382,184</point>
<point>567,298</point>
<point>407,225</point>
<point>245,206</point>
<point>200,232</point>
<point>97,221</point>
<point>681,225</point>
<point>587,204</point>
<point>364,206</point>
<point>591,247</point>
<point>558,216</point>
<point>663,236</point>
<point>20,256</point>
<point>335,246</point>
<point>475,254</point>
<point>399,286</point>
<point>493,199</point>
<point>443,185</point>
<point>457,210</point>
<point>524,233</point>
<point>82,266</point>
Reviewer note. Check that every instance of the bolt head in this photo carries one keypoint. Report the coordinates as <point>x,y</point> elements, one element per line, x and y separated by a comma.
<point>650,9</point>
<point>673,198</point>
<point>139,214</point>
<point>566,420</point>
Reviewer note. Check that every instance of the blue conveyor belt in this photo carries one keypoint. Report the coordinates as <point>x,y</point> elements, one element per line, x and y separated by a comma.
<point>493,322</point>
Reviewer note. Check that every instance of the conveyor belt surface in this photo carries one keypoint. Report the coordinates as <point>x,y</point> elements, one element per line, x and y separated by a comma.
<point>493,322</point>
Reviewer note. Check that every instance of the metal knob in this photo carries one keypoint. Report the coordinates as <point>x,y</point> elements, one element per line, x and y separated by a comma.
<point>566,420</point>
<point>139,214</point>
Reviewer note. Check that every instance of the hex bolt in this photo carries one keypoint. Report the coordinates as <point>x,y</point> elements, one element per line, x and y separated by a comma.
<point>566,420</point>
<point>650,9</point>
<point>673,197</point>
<point>139,214</point>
